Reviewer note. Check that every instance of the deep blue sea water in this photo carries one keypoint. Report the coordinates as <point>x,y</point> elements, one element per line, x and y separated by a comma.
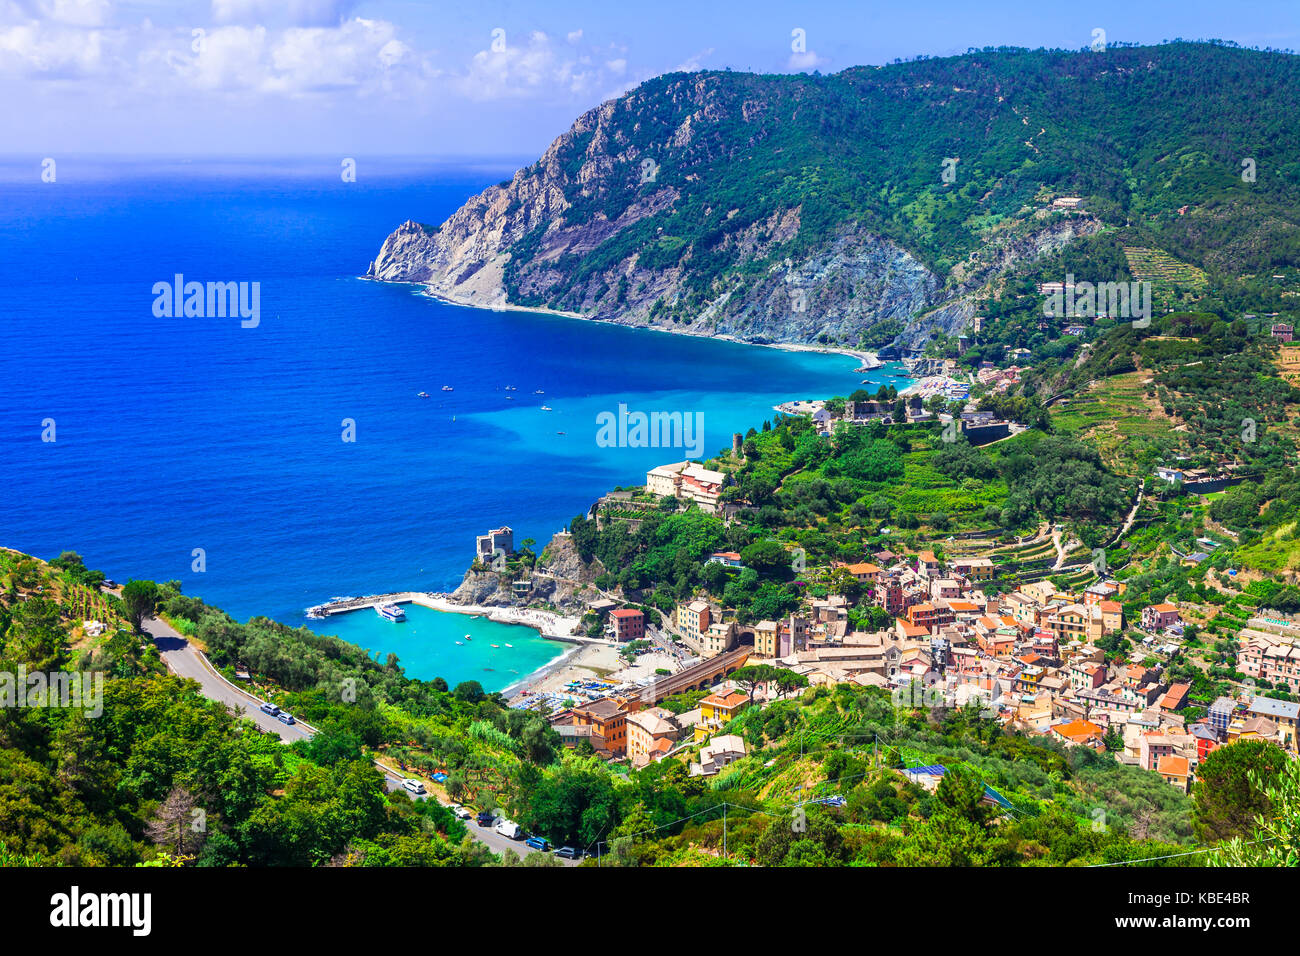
<point>182,433</point>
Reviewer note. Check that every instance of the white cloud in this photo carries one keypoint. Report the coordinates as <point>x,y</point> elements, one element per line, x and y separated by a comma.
<point>575,36</point>
<point>298,13</point>
<point>804,62</point>
<point>694,63</point>
<point>30,49</point>
<point>81,13</point>
<point>531,69</point>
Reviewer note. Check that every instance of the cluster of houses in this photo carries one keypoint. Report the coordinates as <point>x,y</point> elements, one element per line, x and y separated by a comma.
<point>1030,658</point>
<point>998,379</point>
<point>979,427</point>
<point>627,725</point>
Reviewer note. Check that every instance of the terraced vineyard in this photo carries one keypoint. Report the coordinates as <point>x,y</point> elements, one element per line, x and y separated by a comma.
<point>1162,270</point>
<point>1128,428</point>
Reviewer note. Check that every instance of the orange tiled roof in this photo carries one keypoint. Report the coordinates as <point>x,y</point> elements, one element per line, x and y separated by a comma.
<point>730,700</point>
<point>1172,765</point>
<point>1078,729</point>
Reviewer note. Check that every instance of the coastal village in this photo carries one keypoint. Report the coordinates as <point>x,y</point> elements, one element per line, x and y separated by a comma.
<point>1029,658</point>
<point>1033,656</point>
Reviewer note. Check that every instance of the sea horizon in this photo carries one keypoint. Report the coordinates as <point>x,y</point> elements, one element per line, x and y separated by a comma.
<point>179,434</point>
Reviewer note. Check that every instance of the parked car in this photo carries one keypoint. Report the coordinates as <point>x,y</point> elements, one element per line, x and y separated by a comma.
<point>486,818</point>
<point>415,786</point>
<point>510,830</point>
<point>270,709</point>
<point>538,843</point>
<point>462,813</point>
<point>569,853</point>
<point>285,717</point>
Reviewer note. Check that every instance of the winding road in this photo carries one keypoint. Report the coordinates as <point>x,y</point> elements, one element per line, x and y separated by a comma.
<point>185,660</point>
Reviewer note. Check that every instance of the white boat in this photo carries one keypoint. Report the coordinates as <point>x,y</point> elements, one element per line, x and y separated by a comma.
<point>468,638</point>
<point>391,612</point>
<point>539,392</point>
<point>509,645</point>
<point>547,408</point>
<point>446,388</point>
<point>461,643</point>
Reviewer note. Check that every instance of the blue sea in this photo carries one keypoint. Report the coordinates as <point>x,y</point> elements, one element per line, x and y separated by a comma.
<point>176,434</point>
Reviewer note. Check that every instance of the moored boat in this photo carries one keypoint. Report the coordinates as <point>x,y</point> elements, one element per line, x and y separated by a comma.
<point>391,612</point>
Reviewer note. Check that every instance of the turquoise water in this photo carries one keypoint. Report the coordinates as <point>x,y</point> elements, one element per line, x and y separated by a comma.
<point>426,645</point>
<point>177,434</point>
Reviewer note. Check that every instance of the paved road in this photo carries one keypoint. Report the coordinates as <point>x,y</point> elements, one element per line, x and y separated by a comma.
<point>185,660</point>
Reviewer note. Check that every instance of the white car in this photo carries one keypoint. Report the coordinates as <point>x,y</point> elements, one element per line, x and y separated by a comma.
<point>462,813</point>
<point>415,786</point>
<point>510,830</point>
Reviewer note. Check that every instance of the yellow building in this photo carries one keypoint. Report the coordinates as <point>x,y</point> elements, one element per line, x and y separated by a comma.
<point>693,619</point>
<point>717,710</point>
<point>765,639</point>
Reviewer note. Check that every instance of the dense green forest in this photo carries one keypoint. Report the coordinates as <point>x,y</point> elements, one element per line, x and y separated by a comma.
<point>1153,139</point>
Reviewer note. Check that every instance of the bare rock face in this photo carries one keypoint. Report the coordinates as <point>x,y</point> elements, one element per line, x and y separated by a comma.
<point>582,231</point>
<point>561,578</point>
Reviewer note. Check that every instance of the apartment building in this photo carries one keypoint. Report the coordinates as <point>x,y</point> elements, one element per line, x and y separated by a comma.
<point>629,624</point>
<point>717,710</point>
<point>651,733</point>
<point>694,618</point>
<point>687,481</point>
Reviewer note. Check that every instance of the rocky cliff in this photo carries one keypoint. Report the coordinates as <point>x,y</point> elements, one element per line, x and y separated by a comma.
<point>560,578</point>
<point>872,205</point>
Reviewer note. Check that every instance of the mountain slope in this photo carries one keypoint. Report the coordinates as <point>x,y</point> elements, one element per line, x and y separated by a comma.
<point>809,208</point>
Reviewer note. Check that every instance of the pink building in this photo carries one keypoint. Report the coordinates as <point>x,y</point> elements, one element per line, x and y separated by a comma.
<point>629,624</point>
<point>1157,617</point>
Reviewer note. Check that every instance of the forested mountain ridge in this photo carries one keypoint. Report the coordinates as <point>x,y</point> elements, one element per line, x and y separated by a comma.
<point>850,208</point>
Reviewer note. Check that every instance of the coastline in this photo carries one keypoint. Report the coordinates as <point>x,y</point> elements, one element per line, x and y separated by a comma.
<point>549,624</point>
<point>860,355</point>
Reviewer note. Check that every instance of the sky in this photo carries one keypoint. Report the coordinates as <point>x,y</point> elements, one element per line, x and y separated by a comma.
<point>482,78</point>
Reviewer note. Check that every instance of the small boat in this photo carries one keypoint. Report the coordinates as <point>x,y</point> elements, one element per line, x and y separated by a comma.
<point>539,392</point>
<point>509,645</point>
<point>496,645</point>
<point>423,395</point>
<point>559,433</point>
<point>487,668</point>
<point>447,388</point>
<point>391,612</point>
<point>510,388</point>
<point>461,643</point>
<point>468,638</point>
<point>510,398</point>
<point>547,408</point>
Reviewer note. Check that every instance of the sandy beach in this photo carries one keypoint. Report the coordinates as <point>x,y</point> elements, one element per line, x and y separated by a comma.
<point>547,623</point>
<point>583,662</point>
